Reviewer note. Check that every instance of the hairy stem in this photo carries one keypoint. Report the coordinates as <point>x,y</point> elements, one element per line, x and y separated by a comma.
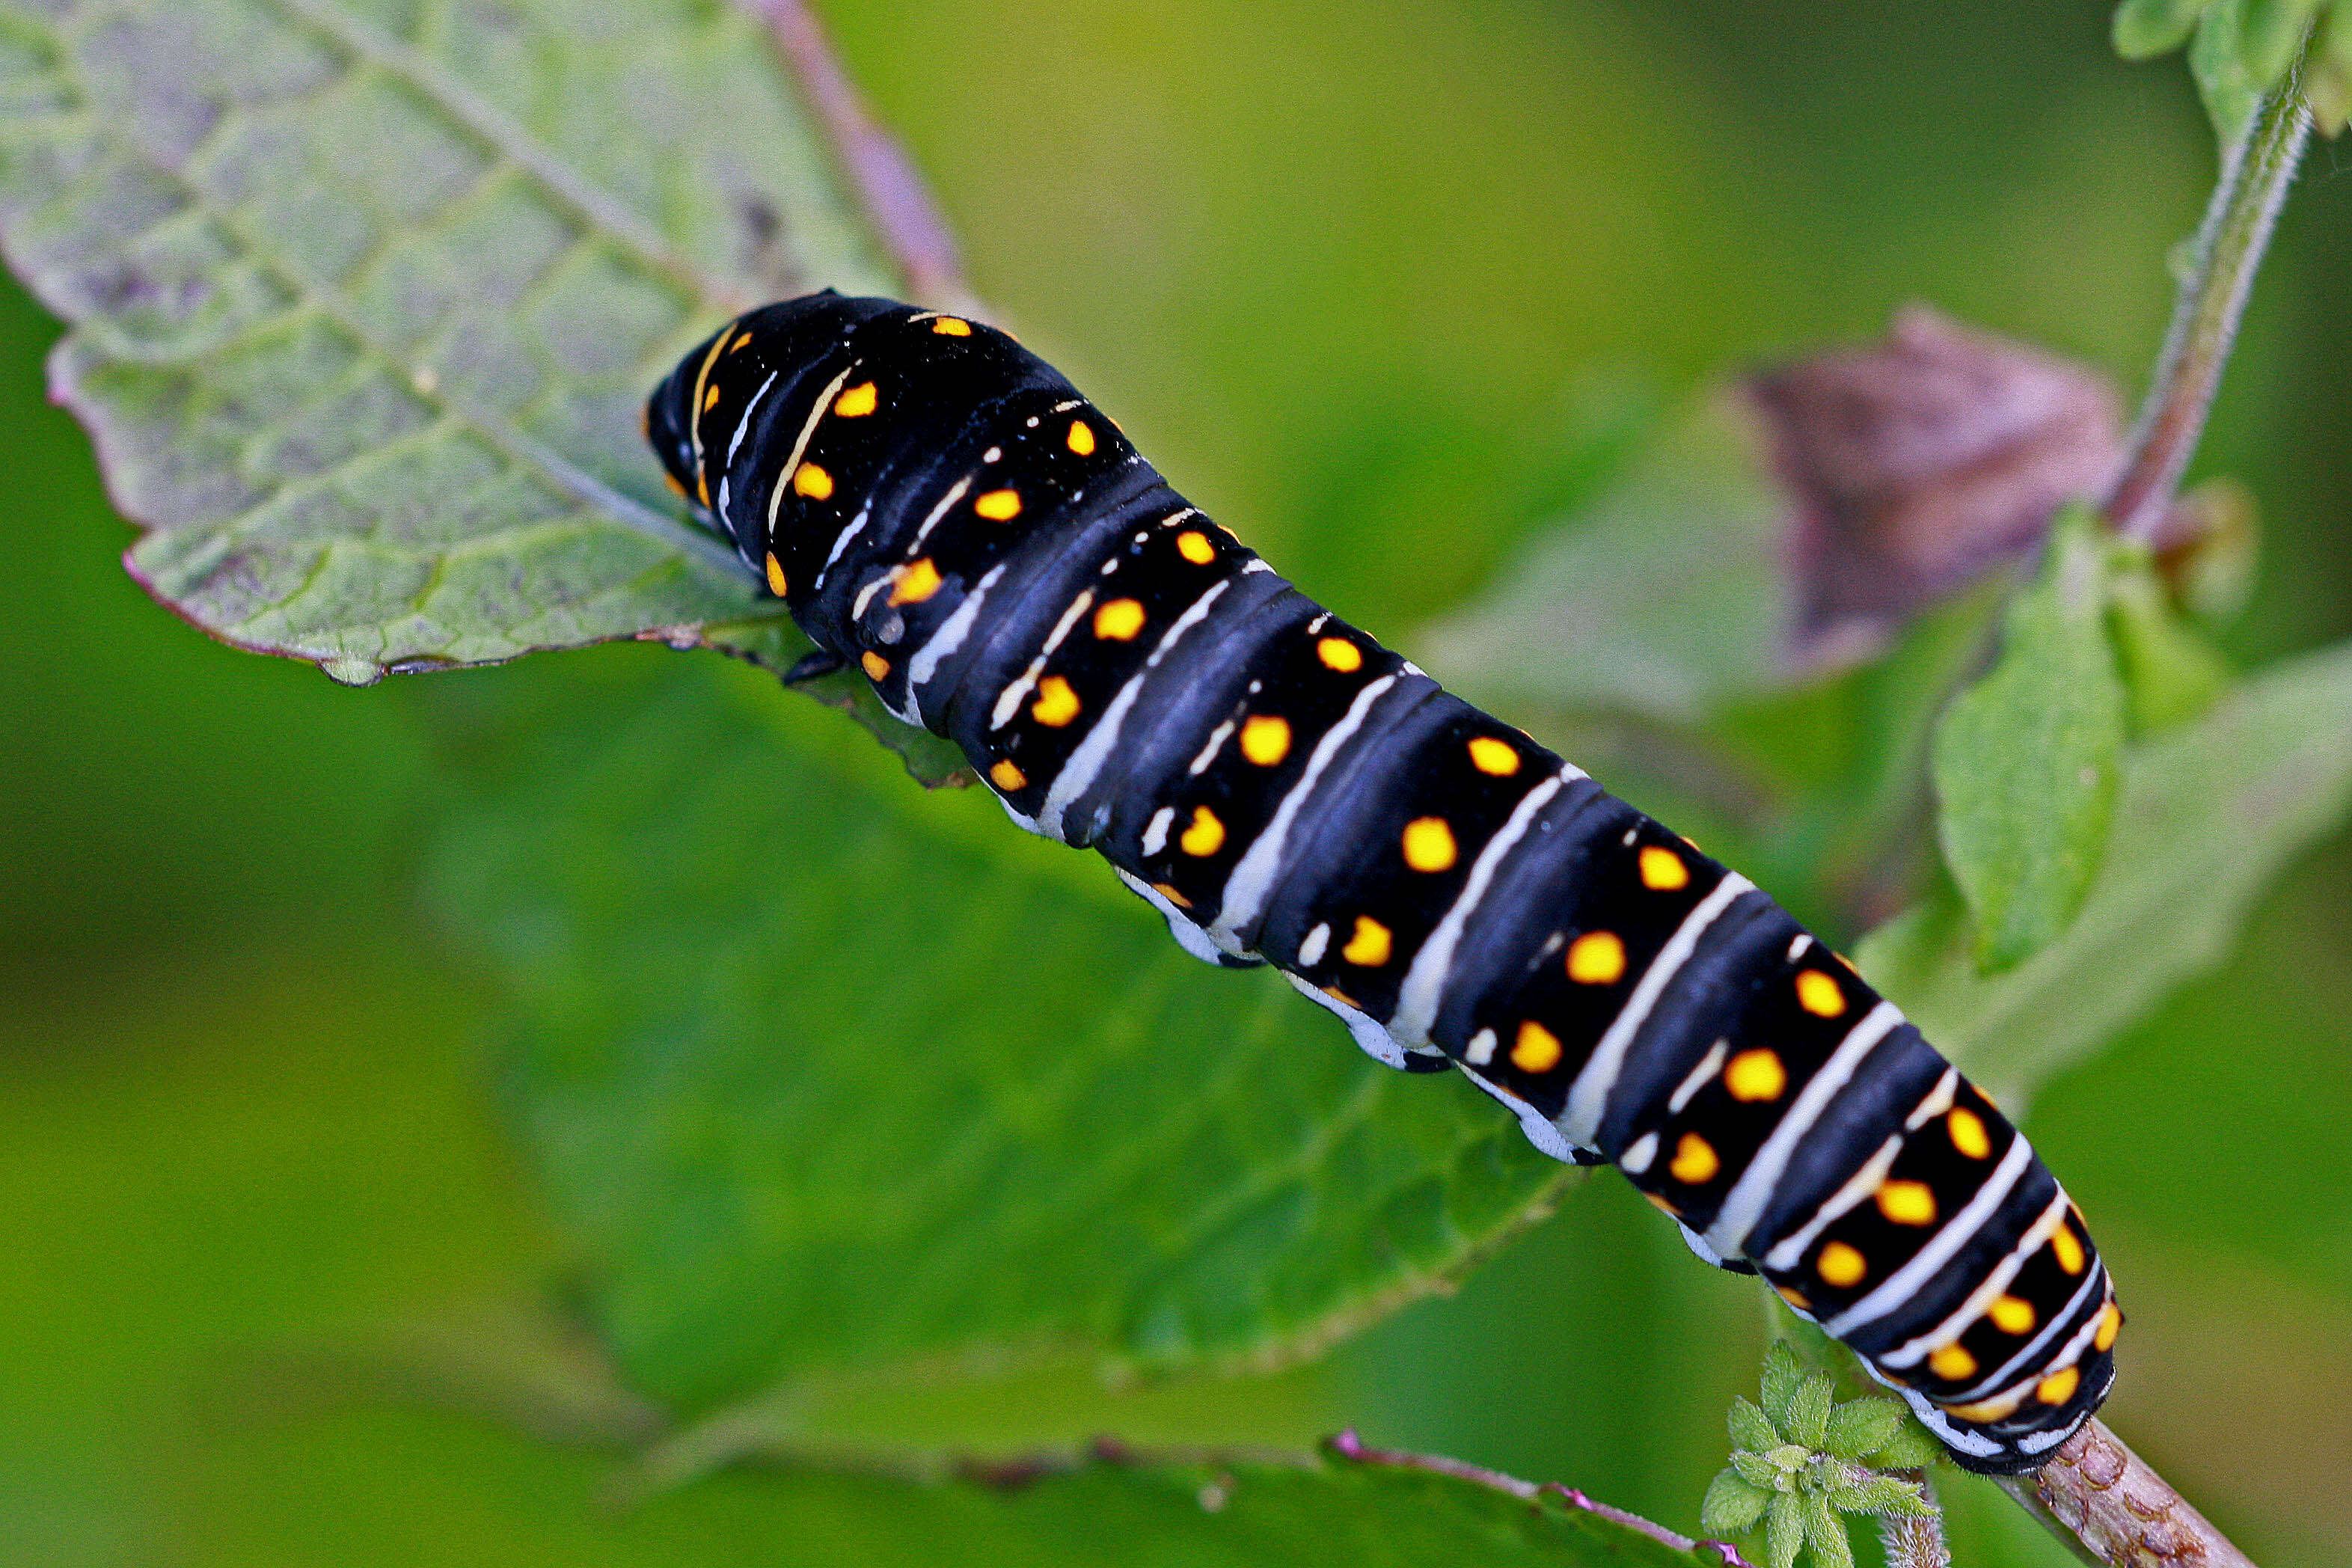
<point>2224,258</point>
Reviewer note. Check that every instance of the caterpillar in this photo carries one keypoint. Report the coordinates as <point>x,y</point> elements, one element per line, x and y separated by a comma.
<point>937,505</point>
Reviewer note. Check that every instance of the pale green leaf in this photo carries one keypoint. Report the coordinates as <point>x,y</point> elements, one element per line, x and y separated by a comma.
<point>1881,1494</point>
<point>1911,1447</point>
<point>1755,1469</point>
<point>2025,761</point>
<point>2145,28</point>
<point>1784,1529</point>
<point>2206,817</point>
<point>1784,1373</point>
<point>1661,598</point>
<point>832,1083</point>
<point>2171,674</point>
<point>2269,34</point>
<point>1808,1421</point>
<point>2328,77</point>
<point>1750,1427</point>
<point>1733,1506</point>
<point>1862,1425</point>
<point>364,299</point>
<point>1826,1535</point>
<point>2225,80</point>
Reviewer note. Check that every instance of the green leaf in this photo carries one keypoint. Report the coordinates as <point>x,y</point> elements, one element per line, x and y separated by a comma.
<point>1784,1373</point>
<point>1751,1428</point>
<point>1757,1469</point>
<point>2171,674</point>
<point>2327,75</point>
<point>2225,81</point>
<point>1732,1505</point>
<point>1880,1495</point>
<point>1784,1529</point>
<point>1911,1447</point>
<point>1861,1426</point>
<point>364,300</point>
<point>2026,760</point>
<point>1662,598</point>
<point>2270,35</point>
<point>2206,817</point>
<point>831,1081</point>
<point>1826,1535</point>
<point>1808,1421</point>
<point>2145,28</point>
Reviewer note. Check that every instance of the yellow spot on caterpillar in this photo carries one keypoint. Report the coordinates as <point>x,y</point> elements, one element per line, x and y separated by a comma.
<point>1662,870</point>
<point>2011,1314</point>
<point>1057,704</point>
<point>1265,739</point>
<point>1696,1160</point>
<point>2111,1323</point>
<point>1993,1409</point>
<point>1819,994</point>
<point>1339,654</point>
<point>999,506</point>
<point>1907,1203</point>
<point>950,327</point>
<point>1664,1206</point>
<point>2059,1386</point>
<point>2067,1249</point>
<point>1968,1135</point>
<point>918,581</point>
<point>1536,1049</point>
<point>1120,620</point>
<point>1007,777</point>
<point>1194,546</point>
<point>1342,997</point>
<point>1369,948</point>
<point>1172,895</point>
<point>671,480</point>
<point>1429,845</point>
<point>857,402</point>
<point>1754,1076</point>
<point>812,481</point>
<point>1082,438</point>
<point>1498,758</point>
<point>1841,1264</point>
<point>1206,835</point>
<point>775,576</point>
<point>1953,1363</point>
<point>1796,1298</point>
<point>710,398</point>
<point>874,664</point>
<point>740,345</point>
<point>1596,958</point>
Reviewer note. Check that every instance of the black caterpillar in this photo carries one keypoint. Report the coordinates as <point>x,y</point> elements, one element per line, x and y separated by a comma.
<point>933,502</point>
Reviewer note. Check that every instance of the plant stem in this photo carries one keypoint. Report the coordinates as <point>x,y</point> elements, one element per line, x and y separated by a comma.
<point>2103,1500</point>
<point>2225,256</point>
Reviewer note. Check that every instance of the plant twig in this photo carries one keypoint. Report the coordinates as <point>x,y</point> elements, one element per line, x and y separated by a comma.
<point>2105,1497</point>
<point>2224,258</point>
<point>1915,1541</point>
<point>1347,1445</point>
<point>892,191</point>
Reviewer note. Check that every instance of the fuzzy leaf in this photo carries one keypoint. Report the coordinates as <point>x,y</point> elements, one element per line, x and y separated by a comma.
<point>1783,1373</point>
<point>2025,761</point>
<point>1826,1535</point>
<point>1732,1505</point>
<point>1784,1529</point>
<point>1751,1428</point>
<point>1881,1494</point>
<point>2269,34</point>
<point>2225,79</point>
<point>1757,1469</point>
<point>2327,75</point>
<point>2145,28</point>
<point>1807,1420</point>
<point>1861,1426</point>
<point>363,302</point>
<point>1911,1447</point>
<point>2207,815</point>
<point>2171,672</point>
<point>827,1079</point>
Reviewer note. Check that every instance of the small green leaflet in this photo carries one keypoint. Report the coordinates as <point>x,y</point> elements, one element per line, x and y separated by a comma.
<point>2239,50</point>
<point>2025,761</point>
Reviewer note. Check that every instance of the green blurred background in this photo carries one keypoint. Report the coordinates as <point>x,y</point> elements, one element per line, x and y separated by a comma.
<point>1350,272</point>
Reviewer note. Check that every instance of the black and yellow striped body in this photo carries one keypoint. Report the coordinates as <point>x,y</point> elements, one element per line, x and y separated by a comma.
<point>937,505</point>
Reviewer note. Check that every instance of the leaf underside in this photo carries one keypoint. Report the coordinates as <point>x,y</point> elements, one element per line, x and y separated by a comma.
<point>837,1083</point>
<point>364,296</point>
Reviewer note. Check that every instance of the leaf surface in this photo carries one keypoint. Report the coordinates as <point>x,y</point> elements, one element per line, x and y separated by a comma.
<point>834,1082</point>
<point>364,298</point>
<point>2025,761</point>
<point>2207,815</point>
